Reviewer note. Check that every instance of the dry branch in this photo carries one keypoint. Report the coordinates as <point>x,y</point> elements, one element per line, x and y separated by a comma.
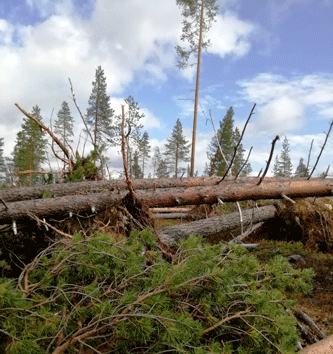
<point>269,159</point>
<point>54,138</point>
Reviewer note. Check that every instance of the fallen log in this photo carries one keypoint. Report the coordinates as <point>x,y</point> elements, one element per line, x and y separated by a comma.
<point>170,210</point>
<point>227,191</point>
<point>86,187</point>
<point>215,225</point>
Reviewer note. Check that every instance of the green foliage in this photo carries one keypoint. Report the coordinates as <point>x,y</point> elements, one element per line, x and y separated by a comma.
<point>47,194</point>
<point>63,126</point>
<point>177,150</point>
<point>136,169</point>
<point>85,168</point>
<point>30,148</point>
<point>226,139</point>
<point>144,150</point>
<point>2,164</point>
<point>99,112</point>
<point>124,297</point>
<point>191,11</point>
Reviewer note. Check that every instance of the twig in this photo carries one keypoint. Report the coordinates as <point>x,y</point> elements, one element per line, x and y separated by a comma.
<point>326,173</point>
<point>236,147</point>
<point>247,159</point>
<point>307,165</point>
<point>321,151</point>
<point>269,159</point>
<point>39,221</point>
<point>308,320</point>
<point>246,233</point>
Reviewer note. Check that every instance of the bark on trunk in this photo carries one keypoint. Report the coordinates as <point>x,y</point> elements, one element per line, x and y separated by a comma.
<point>215,225</point>
<point>169,215</point>
<point>58,190</point>
<point>227,191</point>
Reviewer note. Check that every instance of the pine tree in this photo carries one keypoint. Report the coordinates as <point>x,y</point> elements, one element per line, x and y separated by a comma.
<point>162,170</point>
<point>282,166</point>
<point>136,169</point>
<point>144,150</point>
<point>176,149</point>
<point>301,170</point>
<point>30,148</point>
<point>156,159</point>
<point>201,14</point>
<point>99,112</point>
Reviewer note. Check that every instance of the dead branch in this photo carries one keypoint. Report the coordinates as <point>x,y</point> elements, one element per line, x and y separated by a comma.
<point>307,165</point>
<point>244,164</point>
<point>236,147</point>
<point>54,138</point>
<point>321,151</point>
<point>269,159</point>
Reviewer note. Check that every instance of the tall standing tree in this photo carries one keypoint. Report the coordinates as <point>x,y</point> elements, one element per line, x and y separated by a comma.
<point>176,149</point>
<point>198,17</point>
<point>283,166</point>
<point>99,116</point>
<point>301,170</point>
<point>63,126</point>
<point>30,148</point>
<point>144,150</point>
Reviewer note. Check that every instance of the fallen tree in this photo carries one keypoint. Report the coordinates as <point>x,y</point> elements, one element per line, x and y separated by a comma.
<point>214,225</point>
<point>227,191</point>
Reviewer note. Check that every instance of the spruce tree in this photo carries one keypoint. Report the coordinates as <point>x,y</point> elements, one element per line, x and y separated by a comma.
<point>30,148</point>
<point>224,138</point>
<point>301,170</point>
<point>63,126</point>
<point>282,166</point>
<point>176,149</point>
<point>99,112</point>
<point>162,170</point>
<point>144,150</point>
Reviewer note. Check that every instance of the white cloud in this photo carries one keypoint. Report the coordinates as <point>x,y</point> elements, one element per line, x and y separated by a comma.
<point>282,102</point>
<point>230,35</point>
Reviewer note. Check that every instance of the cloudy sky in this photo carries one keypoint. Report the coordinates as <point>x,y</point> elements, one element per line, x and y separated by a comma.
<point>276,53</point>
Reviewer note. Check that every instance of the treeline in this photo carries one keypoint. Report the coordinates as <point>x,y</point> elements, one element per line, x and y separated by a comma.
<point>31,150</point>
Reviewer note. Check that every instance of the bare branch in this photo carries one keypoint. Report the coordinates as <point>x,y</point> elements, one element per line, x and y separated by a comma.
<point>269,159</point>
<point>307,165</point>
<point>244,164</point>
<point>236,147</point>
<point>321,151</point>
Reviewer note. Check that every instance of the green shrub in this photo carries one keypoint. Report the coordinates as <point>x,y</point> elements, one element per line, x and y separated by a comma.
<point>123,297</point>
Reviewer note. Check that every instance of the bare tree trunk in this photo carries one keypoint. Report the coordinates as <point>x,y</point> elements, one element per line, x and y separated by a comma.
<point>196,99</point>
<point>215,225</point>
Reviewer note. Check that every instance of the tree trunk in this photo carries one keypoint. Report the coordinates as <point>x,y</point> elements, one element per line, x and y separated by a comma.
<point>226,191</point>
<point>215,225</point>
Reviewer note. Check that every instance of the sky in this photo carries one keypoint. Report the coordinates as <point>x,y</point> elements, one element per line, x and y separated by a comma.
<point>275,53</point>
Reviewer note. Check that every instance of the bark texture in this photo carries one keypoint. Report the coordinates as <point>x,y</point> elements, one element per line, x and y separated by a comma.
<point>226,191</point>
<point>215,225</point>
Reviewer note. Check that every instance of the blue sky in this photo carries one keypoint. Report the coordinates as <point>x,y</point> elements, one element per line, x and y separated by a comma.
<point>276,53</point>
